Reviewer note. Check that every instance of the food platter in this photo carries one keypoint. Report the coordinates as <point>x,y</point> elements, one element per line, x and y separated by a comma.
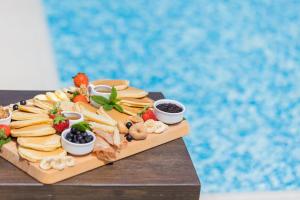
<point>124,143</point>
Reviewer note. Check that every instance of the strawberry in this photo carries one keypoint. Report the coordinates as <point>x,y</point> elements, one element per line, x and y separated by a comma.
<point>80,79</point>
<point>4,129</point>
<point>60,123</point>
<point>148,114</point>
<point>55,111</point>
<point>80,98</point>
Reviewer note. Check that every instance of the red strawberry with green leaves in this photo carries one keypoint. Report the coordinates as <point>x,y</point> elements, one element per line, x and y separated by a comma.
<point>60,123</point>
<point>148,114</point>
<point>55,111</point>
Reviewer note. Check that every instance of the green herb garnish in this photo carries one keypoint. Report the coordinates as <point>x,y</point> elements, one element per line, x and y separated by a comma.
<point>143,110</point>
<point>55,110</point>
<point>111,102</point>
<point>82,126</point>
<point>3,138</point>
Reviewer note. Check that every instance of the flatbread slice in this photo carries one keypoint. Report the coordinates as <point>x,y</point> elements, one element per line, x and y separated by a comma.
<point>45,105</point>
<point>33,131</point>
<point>102,127</point>
<point>133,102</point>
<point>44,143</point>
<point>36,156</point>
<point>119,84</point>
<point>18,115</point>
<point>131,110</point>
<point>102,119</point>
<point>32,109</point>
<point>132,92</point>
<point>30,122</point>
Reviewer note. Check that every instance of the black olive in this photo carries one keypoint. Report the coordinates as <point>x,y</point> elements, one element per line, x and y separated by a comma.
<point>129,138</point>
<point>128,125</point>
<point>23,102</point>
<point>15,107</point>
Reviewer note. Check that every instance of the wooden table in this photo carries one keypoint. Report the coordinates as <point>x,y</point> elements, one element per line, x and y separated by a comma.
<point>164,172</point>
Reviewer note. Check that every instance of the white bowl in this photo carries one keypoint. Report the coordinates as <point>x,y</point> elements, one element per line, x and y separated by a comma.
<point>77,149</point>
<point>168,118</point>
<point>7,120</point>
<point>73,121</point>
<point>93,90</point>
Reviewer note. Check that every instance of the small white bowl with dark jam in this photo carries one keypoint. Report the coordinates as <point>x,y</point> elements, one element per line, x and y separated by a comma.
<point>169,111</point>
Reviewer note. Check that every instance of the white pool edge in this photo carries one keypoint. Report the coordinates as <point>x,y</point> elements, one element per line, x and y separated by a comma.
<point>27,58</point>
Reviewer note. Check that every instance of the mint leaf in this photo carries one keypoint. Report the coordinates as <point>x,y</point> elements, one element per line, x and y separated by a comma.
<point>82,126</point>
<point>110,103</point>
<point>118,108</point>
<point>107,107</point>
<point>100,100</point>
<point>113,94</point>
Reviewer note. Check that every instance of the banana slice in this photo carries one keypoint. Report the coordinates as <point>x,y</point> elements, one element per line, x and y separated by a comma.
<point>69,161</point>
<point>160,127</point>
<point>45,163</point>
<point>155,126</point>
<point>52,97</point>
<point>41,97</point>
<point>150,125</point>
<point>58,163</point>
<point>61,95</point>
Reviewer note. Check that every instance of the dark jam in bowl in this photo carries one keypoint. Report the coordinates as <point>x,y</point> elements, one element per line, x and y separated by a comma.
<point>169,107</point>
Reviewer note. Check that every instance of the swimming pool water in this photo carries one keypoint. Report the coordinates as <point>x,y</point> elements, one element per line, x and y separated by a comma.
<point>235,64</point>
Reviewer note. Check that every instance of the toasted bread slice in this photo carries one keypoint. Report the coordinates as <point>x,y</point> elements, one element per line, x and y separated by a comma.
<point>44,143</point>
<point>18,115</point>
<point>119,84</point>
<point>33,131</point>
<point>102,119</point>
<point>32,109</point>
<point>30,122</point>
<point>36,156</point>
<point>45,105</point>
<point>132,92</point>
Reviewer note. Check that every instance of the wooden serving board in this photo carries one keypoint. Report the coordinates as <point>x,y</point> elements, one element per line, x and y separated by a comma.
<point>90,161</point>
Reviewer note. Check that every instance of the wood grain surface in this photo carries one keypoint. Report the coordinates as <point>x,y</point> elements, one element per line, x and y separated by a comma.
<point>164,172</point>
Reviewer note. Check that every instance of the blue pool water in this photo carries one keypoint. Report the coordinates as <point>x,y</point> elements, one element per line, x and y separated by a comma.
<point>235,64</point>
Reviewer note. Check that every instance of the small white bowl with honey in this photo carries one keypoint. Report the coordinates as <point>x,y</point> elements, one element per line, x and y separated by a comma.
<point>73,117</point>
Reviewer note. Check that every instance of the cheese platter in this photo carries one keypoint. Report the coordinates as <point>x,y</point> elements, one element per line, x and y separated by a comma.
<point>60,134</point>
